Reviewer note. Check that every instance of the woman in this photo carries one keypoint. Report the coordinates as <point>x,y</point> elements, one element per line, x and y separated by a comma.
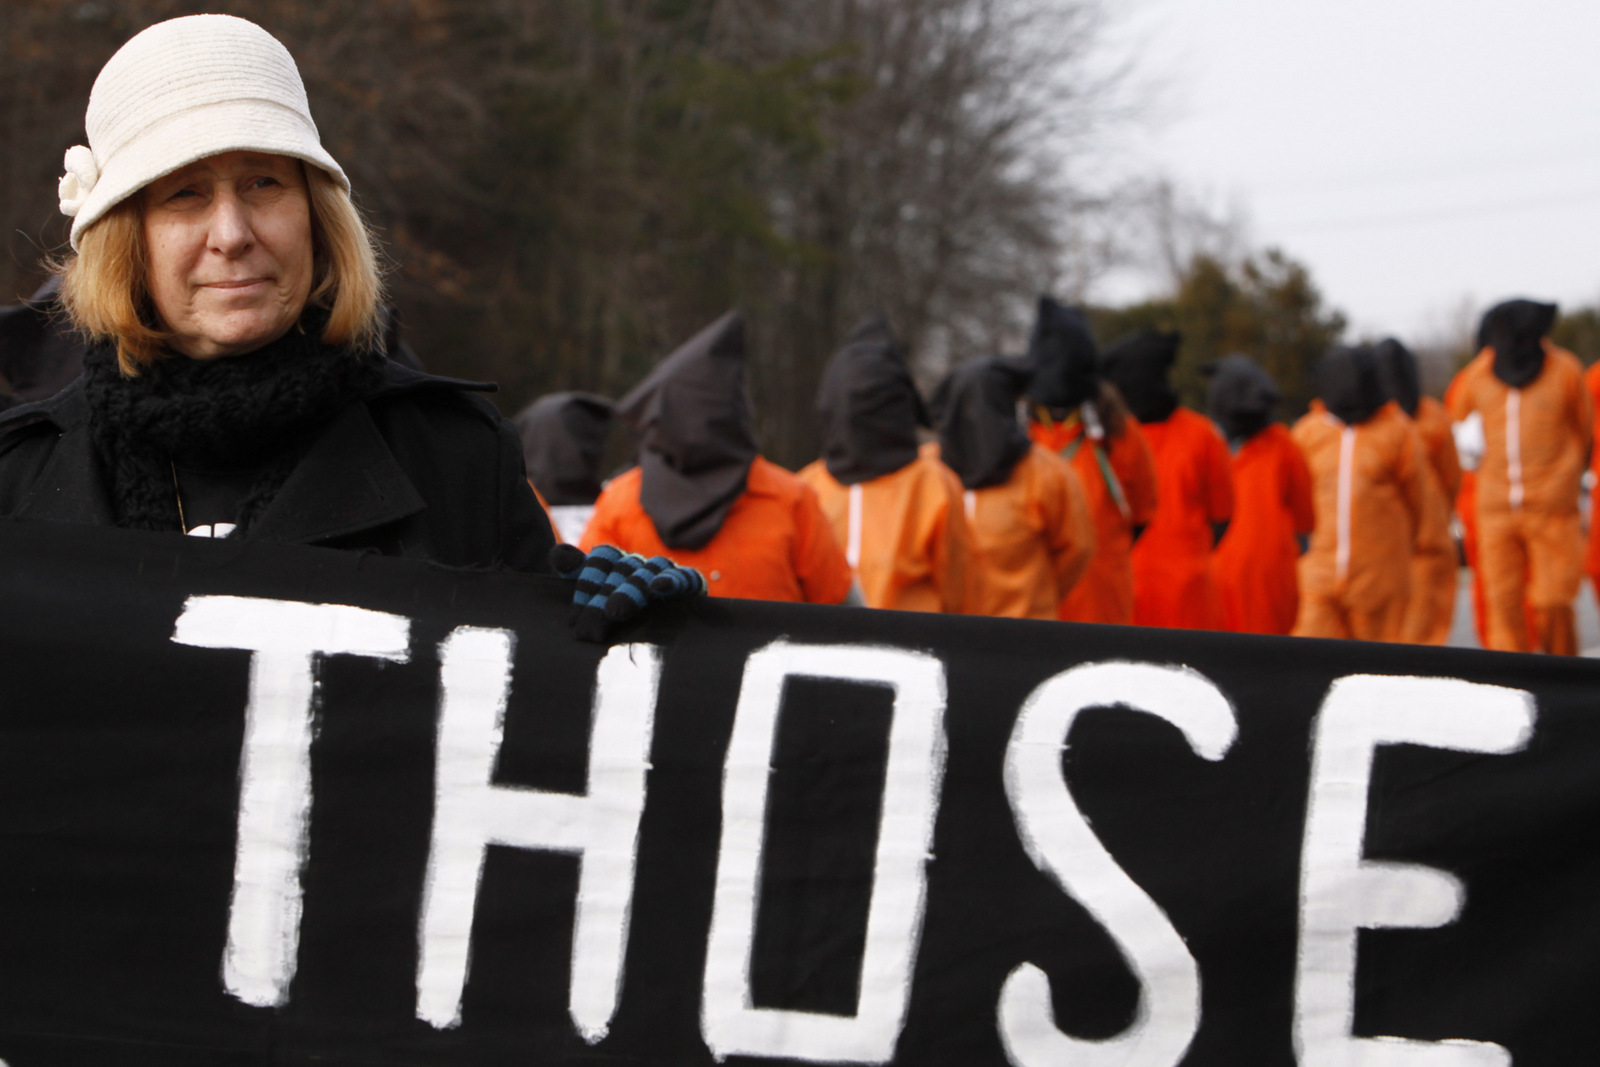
<point>1081,418</point>
<point>897,513</point>
<point>234,383</point>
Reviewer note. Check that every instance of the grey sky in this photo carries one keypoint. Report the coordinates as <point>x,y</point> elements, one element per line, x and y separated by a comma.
<point>1411,152</point>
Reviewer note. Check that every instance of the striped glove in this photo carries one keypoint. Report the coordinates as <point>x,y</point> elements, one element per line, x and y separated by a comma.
<point>614,586</point>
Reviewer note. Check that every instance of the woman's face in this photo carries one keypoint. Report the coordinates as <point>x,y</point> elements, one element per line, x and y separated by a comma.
<point>229,241</point>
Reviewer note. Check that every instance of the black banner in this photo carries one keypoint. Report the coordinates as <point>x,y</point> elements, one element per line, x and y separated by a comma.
<point>271,805</point>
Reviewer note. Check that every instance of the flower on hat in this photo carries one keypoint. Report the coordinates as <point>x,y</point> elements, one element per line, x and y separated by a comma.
<point>82,173</point>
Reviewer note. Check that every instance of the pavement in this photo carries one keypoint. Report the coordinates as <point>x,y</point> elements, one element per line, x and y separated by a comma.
<point>1463,635</point>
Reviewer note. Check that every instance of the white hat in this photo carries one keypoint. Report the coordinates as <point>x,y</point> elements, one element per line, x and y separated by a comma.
<point>183,90</point>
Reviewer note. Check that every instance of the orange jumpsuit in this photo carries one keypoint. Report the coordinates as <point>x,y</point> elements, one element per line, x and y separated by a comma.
<point>775,543</point>
<point>1172,581</point>
<point>1119,483</point>
<point>904,533</point>
<point>1530,544</point>
<point>1368,485</point>
<point>1257,562</point>
<point>1591,557</point>
<point>1433,570</point>
<point>1031,537</point>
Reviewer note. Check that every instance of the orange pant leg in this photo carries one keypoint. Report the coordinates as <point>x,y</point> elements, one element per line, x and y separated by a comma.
<point>1432,603</point>
<point>1503,565</point>
<point>1377,622</point>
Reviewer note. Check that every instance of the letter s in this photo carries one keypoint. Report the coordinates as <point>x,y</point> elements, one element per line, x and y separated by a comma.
<point>1061,843</point>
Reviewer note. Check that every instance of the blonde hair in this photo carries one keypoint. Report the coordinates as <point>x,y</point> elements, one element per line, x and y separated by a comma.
<point>105,291</point>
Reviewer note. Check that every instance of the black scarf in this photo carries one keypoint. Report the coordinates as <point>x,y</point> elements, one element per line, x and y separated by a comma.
<point>1348,382</point>
<point>696,434</point>
<point>1241,397</point>
<point>260,410</point>
<point>1515,330</point>
<point>980,437</point>
<point>1138,366</point>
<point>869,407</point>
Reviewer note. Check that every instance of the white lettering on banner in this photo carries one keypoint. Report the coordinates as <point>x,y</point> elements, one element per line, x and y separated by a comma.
<point>285,638</point>
<point>1341,893</point>
<point>1060,841</point>
<point>730,1023</point>
<point>470,814</point>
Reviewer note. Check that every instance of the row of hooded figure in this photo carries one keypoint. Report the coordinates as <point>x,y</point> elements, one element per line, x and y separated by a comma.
<point>1071,484</point>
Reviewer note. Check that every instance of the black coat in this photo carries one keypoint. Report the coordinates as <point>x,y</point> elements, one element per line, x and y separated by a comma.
<point>420,468</point>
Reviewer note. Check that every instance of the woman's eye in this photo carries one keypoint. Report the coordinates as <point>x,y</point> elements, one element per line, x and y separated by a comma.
<point>182,194</point>
<point>264,183</point>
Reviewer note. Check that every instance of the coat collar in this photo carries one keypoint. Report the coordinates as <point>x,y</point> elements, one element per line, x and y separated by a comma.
<point>347,483</point>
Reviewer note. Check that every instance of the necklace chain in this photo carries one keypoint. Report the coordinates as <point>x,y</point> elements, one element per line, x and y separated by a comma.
<point>177,493</point>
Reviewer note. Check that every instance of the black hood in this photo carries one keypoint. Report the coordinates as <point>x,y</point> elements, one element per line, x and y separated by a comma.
<point>1397,368</point>
<point>976,411</point>
<point>1138,366</point>
<point>1065,362</point>
<point>563,444</point>
<point>1241,397</point>
<point>691,417</point>
<point>1515,330</point>
<point>1349,384</point>
<point>869,407</point>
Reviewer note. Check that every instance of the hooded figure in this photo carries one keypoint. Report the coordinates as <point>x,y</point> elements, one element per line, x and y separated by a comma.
<point>1369,483</point>
<point>1538,423</point>
<point>1349,385</point>
<point>1256,564</point>
<point>1516,331</point>
<point>563,444</point>
<point>1241,398</point>
<point>691,417</point>
<point>1139,366</point>
<point>701,492</point>
<point>980,437</point>
<point>1172,580</point>
<point>1433,571</point>
<point>896,512</point>
<point>869,407</point>
<point>1065,362</point>
<point>1032,535</point>
<point>1082,418</point>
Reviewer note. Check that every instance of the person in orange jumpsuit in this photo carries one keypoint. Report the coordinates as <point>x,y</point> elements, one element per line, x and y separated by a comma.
<point>563,445</point>
<point>898,513</point>
<point>1433,570</point>
<point>702,493</point>
<point>1031,534</point>
<point>1080,417</point>
<point>1172,580</point>
<point>1538,423</point>
<point>1591,556</point>
<point>1369,484</point>
<point>1257,564</point>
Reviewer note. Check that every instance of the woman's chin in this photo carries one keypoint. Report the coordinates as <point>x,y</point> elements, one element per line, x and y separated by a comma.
<point>233,336</point>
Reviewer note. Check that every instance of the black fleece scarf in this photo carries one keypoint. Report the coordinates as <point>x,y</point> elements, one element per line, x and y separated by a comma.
<point>1138,366</point>
<point>869,407</point>
<point>1516,330</point>
<point>255,411</point>
<point>980,437</point>
<point>1241,398</point>
<point>1348,382</point>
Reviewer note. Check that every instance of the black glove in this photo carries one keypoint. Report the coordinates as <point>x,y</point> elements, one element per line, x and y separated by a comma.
<point>614,586</point>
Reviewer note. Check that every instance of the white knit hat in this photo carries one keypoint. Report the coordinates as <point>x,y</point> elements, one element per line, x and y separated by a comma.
<point>180,91</point>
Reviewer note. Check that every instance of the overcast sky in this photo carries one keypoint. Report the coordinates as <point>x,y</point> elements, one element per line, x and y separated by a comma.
<point>1412,152</point>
